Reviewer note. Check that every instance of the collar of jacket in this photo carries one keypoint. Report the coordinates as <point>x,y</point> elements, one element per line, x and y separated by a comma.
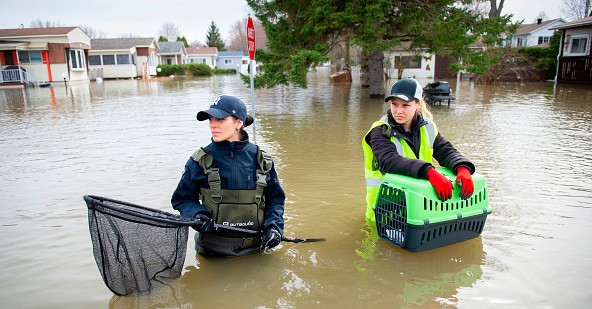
<point>227,146</point>
<point>399,130</point>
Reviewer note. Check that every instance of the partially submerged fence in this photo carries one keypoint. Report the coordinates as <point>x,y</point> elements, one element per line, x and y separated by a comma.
<point>575,69</point>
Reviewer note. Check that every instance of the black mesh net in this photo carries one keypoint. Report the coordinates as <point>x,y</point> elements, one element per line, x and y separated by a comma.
<point>135,245</point>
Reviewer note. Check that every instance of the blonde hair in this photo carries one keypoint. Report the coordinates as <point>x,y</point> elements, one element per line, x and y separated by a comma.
<point>424,111</point>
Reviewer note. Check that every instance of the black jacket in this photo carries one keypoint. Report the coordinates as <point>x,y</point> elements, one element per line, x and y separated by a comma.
<point>237,162</point>
<point>389,161</point>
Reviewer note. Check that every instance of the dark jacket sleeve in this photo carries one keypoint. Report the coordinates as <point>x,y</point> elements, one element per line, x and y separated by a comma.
<point>449,157</point>
<point>274,202</point>
<point>186,197</point>
<point>389,160</point>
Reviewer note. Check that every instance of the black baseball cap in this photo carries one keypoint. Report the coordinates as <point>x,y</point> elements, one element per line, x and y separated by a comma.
<point>223,107</point>
<point>406,89</point>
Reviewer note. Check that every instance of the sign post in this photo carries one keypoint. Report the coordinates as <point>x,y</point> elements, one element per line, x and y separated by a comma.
<point>251,47</point>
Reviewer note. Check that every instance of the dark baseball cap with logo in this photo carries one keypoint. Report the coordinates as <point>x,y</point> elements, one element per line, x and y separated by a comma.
<point>406,89</point>
<point>223,107</point>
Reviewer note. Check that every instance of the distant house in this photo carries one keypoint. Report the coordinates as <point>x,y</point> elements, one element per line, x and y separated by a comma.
<point>575,57</point>
<point>123,57</point>
<point>171,52</point>
<point>537,34</point>
<point>412,65</point>
<point>238,60</point>
<point>205,55</point>
<point>43,54</point>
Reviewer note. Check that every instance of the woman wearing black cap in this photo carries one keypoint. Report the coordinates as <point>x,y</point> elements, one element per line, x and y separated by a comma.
<point>231,182</point>
<point>404,142</point>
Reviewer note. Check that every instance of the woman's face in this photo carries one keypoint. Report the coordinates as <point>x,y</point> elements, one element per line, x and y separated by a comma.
<point>403,112</point>
<point>225,129</point>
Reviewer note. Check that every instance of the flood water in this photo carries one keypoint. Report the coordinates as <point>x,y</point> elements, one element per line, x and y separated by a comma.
<point>129,140</point>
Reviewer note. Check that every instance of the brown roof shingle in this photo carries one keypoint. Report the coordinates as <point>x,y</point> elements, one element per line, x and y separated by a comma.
<point>528,28</point>
<point>201,50</point>
<point>35,31</point>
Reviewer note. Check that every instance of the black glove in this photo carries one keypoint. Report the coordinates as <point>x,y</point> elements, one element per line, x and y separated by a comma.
<point>206,224</point>
<point>271,238</point>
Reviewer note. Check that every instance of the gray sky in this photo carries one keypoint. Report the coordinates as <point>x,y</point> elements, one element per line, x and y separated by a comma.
<point>193,17</point>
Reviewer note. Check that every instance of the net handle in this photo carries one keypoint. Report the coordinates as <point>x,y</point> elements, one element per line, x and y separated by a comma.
<point>92,201</point>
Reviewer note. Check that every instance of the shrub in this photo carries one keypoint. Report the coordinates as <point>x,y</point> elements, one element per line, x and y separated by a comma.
<point>549,64</point>
<point>198,69</point>
<point>223,71</point>
<point>169,69</point>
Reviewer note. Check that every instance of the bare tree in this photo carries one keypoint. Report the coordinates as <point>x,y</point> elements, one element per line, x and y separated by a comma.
<point>92,33</point>
<point>238,35</point>
<point>480,7</point>
<point>169,30</point>
<point>129,36</point>
<point>542,16</point>
<point>39,23</point>
<point>196,43</point>
<point>575,9</point>
<point>495,10</point>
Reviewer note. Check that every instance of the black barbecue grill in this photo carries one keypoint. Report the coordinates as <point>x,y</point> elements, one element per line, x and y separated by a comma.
<point>437,92</point>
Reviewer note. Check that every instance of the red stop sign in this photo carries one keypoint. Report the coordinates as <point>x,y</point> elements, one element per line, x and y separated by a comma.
<point>251,38</point>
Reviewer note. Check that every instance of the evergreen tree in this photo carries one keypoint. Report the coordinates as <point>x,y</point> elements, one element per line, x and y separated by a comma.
<point>162,39</point>
<point>301,33</point>
<point>213,37</point>
<point>183,39</point>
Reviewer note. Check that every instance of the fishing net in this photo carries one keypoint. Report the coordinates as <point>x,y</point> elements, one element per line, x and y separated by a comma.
<point>135,245</point>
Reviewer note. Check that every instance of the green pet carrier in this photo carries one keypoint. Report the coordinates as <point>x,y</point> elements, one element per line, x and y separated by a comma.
<point>409,214</point>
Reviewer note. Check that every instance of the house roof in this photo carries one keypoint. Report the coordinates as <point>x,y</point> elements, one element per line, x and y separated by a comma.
<point>574,24</point>
<point>122,43</point>
<point>528,28</point>
<point>201,50</point>
<point>233,53</point>
<point>170,48</point>
<point>35,31</point>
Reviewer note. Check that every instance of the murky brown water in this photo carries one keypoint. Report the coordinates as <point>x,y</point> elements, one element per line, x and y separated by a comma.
<point>129,140</point>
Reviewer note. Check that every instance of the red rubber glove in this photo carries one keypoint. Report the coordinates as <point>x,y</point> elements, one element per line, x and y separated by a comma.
<point>465,181</point>
<point>442,185</point>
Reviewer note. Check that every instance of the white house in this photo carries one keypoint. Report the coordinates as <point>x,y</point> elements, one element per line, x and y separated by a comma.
<point>205,55</point>
<point>171,52</point>
<point>124,57</point>
<point>43,54</point>
<point>536,34</point>
<point>238,60</point>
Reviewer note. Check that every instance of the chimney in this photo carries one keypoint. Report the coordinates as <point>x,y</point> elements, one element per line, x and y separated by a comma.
<point>539,21</point>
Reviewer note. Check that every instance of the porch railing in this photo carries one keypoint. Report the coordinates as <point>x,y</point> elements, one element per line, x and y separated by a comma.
<point>17,76</point>
<point>575,69</point>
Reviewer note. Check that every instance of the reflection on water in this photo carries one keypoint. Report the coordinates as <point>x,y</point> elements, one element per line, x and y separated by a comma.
<point>129,140</point>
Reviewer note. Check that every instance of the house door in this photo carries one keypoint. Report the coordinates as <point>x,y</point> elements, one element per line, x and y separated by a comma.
<point>169,61</point>
<point>8,59</point>
<point>441,70</point>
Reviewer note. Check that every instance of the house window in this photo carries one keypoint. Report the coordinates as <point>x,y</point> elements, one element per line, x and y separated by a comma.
<point>30,56</point>
<point>408,62</point>
<point>123,59</point>
<point>521,42</point>
<point>77,59</point>
<point>544,39</point>
<point>578,45</point>
<point>227,61</point>
<point>108,59</point>
<point>94,60</point>
<point>245,62</point>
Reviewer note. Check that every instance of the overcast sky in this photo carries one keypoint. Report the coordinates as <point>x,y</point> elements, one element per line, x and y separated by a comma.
<point>193,17</point>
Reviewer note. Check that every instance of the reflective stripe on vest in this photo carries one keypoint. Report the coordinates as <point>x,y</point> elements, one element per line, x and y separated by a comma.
<point>374,177</point>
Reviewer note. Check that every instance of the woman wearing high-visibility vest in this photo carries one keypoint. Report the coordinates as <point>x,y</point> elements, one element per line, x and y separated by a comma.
<point>404,141</point>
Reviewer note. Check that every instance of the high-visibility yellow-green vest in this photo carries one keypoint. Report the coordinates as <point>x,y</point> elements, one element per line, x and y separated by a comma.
<point>374,177</point>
